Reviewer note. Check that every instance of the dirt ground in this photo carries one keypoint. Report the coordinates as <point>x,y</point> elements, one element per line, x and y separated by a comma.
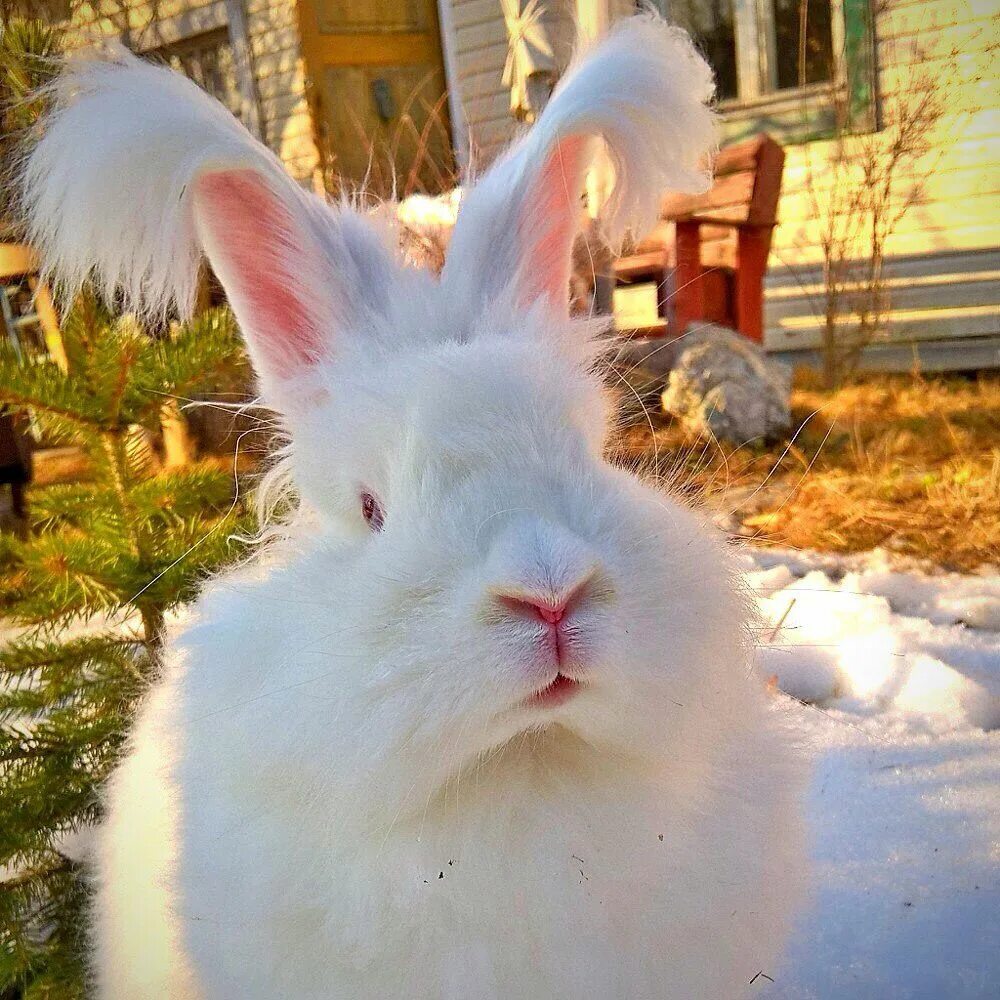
<point>907,463</point>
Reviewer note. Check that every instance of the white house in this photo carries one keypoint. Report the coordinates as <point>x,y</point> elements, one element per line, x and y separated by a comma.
<point>330,83</point>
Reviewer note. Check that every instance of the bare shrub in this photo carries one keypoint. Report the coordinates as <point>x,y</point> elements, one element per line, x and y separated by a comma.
<point>412,157</point>
<point>863,184</point>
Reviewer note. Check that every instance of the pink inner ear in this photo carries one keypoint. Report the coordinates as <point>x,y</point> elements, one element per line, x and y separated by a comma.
<point>260,254</point>
<point>552,217</point>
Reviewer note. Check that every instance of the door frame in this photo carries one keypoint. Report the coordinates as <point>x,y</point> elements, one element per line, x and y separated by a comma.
<point>456,110</point>
<point>375,49</point>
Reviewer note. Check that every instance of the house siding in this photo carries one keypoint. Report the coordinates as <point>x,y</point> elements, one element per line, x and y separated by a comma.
<point>943,266</point>
<point>479,51</point>
<point>279,70</point>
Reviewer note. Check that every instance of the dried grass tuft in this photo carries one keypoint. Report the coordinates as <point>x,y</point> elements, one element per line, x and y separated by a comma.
<point>906,463</point>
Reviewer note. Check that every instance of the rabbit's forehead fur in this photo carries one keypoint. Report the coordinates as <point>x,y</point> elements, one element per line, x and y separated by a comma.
<point>511,391</point>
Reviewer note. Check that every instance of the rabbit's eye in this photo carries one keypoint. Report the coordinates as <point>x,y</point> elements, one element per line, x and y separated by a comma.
<point>372,511</point>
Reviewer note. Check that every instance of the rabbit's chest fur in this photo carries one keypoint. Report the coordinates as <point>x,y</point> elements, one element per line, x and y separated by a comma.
<point>543,874</point>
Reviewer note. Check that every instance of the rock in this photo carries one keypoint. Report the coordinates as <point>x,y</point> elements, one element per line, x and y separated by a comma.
<point>724,385</point>
<point>655,354</point>
<point>639,392</point>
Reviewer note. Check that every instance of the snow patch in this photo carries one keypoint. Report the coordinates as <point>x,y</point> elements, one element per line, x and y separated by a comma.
<point>894,685</point>
<point>869,640</point>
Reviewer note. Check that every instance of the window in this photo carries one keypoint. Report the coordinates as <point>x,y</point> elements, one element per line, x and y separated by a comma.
<point>210,45</point>
<point>759,47</point>
<point>778,62</point>
<point>712,26</point>
<point>803,42</point>
<point>207,59</point>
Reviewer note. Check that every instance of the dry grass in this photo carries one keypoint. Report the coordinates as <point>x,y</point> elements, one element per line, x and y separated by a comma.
<point>907,463</point>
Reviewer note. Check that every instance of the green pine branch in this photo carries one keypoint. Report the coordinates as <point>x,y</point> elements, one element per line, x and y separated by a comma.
<point>88,592</point>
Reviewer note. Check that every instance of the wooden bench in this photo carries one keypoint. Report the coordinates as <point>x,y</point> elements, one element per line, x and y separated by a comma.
<point>708,255</point>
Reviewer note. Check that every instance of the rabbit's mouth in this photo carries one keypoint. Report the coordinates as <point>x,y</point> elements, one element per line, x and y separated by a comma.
<point>558,691</point>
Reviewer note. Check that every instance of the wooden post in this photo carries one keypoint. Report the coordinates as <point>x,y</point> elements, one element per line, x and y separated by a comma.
<point>461,137</point>
<point>48,320</point>
<point>239,39</point>
<point>753,243</point>
<point>688,302</point>
<point>593,18</point>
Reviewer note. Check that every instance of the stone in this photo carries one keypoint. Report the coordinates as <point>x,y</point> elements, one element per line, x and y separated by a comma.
<point>724,386</point>
<point>655,354</point>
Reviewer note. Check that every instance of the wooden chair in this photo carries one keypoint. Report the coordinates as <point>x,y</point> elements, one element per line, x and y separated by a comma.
<point>19,272</point>
<point>708,255</point>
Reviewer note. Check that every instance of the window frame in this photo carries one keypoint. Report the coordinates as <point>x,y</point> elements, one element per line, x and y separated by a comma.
<point>798,114</point>
<point>187,26</point>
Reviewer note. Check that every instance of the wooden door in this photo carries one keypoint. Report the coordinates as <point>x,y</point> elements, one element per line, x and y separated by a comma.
<point>376,85</point>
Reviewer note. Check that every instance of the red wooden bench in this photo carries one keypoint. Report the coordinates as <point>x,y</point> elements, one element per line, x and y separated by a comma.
<point>708,255</point>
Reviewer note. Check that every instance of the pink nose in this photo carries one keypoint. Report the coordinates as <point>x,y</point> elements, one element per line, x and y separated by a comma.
<point>550,606</point>
<point>534,607</point>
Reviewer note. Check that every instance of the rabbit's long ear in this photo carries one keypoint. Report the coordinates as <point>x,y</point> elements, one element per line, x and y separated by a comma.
<point>644,91</point>
<point>137,172</point>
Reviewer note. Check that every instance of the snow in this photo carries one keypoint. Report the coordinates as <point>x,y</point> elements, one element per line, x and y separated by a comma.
<point>894,680</point>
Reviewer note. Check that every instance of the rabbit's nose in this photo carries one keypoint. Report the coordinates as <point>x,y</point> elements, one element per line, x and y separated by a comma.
<point>550,606</point>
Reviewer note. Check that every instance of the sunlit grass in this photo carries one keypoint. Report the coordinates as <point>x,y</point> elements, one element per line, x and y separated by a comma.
<point>907,463</point>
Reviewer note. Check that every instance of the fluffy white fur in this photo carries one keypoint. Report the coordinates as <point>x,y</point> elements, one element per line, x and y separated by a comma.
<point>340,787</point>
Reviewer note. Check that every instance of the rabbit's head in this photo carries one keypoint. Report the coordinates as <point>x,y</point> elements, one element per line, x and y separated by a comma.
<point>448,433</point>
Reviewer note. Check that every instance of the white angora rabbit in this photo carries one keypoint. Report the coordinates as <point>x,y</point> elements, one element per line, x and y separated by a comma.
<point>483,726</point>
